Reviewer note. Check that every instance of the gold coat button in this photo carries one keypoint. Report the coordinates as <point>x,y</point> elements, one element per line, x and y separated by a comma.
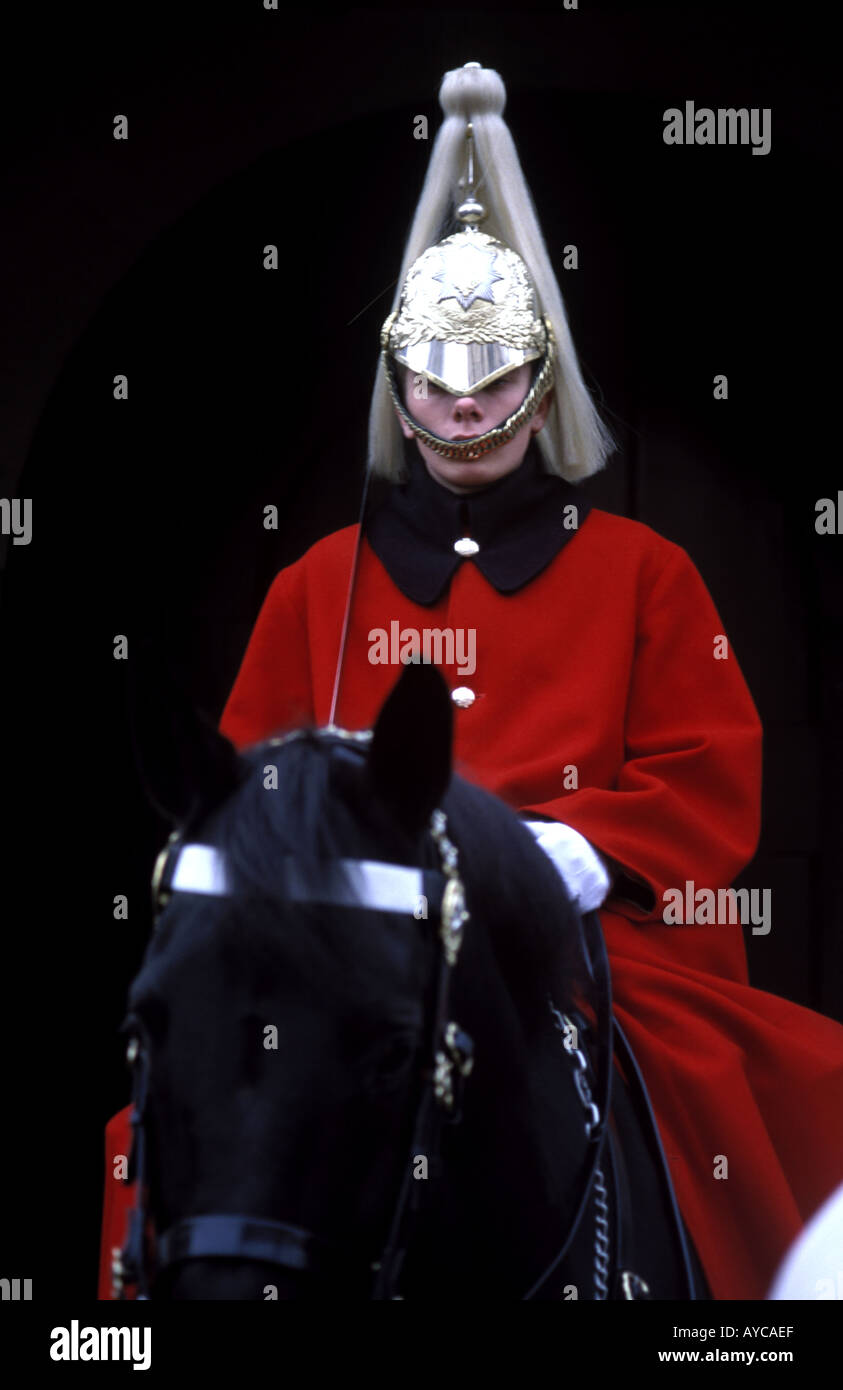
<point>466,546</point>
<point>463,696</point>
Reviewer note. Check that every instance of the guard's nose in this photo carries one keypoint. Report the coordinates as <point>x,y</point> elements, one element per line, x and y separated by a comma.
<point>467,408</point>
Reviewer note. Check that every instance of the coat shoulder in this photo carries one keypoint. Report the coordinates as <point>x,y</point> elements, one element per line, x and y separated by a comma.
<point>329,552</point>
<point>339,544</point>
<point>633,537</point>
<point>327,560</point>
<point>622,543</point>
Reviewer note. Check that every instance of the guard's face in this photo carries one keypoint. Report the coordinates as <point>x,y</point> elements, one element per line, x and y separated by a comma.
<point>462,417</point>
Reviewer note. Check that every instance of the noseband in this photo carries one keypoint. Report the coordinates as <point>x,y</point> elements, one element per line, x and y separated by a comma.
<point>447,1063</point>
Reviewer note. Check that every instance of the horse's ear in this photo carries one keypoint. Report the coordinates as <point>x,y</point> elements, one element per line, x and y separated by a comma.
<point>410,754</point>
<point>185,765</point>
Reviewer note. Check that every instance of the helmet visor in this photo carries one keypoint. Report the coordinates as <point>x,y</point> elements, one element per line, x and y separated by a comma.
<point>462,368</point>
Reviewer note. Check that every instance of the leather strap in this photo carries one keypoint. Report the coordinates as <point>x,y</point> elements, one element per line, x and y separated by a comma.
<point>638,1086</point>
<point>243,1237</point>
<point>598,967</point>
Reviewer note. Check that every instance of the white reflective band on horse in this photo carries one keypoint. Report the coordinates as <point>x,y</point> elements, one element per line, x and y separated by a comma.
<point>359,882</point>
<point>386,887</point>
<point>200,869</point>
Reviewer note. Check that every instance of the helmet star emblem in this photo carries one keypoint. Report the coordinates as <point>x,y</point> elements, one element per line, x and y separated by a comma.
<point>468,273</point>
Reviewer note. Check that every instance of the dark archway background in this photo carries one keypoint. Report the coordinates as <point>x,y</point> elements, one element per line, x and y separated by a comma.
<point>248,388</point>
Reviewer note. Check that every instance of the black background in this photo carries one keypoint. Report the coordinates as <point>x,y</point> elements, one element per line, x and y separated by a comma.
<point>248,388</point>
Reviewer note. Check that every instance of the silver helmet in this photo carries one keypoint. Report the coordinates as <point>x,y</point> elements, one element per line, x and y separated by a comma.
<point>468,314</point>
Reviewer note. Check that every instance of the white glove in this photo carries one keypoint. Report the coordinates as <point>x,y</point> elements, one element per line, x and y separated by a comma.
<point>581,868</point>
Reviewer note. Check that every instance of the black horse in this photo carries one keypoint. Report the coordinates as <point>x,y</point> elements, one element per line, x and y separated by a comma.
<point>371,1041</point>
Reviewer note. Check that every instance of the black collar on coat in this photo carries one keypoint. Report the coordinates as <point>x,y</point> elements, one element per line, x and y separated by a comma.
<point>518,523</point>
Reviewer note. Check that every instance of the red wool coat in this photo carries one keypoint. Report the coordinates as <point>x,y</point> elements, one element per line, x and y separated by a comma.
<point>604,662</point>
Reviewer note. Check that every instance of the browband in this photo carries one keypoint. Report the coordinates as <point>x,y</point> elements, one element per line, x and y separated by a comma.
<point>365,883</point>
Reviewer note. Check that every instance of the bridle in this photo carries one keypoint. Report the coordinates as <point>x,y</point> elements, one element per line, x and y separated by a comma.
<point>447,1064</point>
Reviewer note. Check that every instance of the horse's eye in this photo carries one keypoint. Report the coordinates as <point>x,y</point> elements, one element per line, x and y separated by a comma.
<point>148,1021</point>
<point>390,1065</point>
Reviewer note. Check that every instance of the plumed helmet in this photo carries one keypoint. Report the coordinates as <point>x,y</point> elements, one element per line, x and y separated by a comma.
<point>468,314</point>
<point>480,301</point>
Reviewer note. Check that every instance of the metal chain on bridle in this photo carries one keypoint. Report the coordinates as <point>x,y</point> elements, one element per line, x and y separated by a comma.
<point>447,1065</point>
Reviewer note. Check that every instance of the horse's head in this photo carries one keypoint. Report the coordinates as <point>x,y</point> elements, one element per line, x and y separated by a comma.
<point>290,1018</point>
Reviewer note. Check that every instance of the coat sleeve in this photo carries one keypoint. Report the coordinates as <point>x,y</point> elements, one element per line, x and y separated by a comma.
<point>687,799</point>
<point>272,692</point>
<point>118,1199</point>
